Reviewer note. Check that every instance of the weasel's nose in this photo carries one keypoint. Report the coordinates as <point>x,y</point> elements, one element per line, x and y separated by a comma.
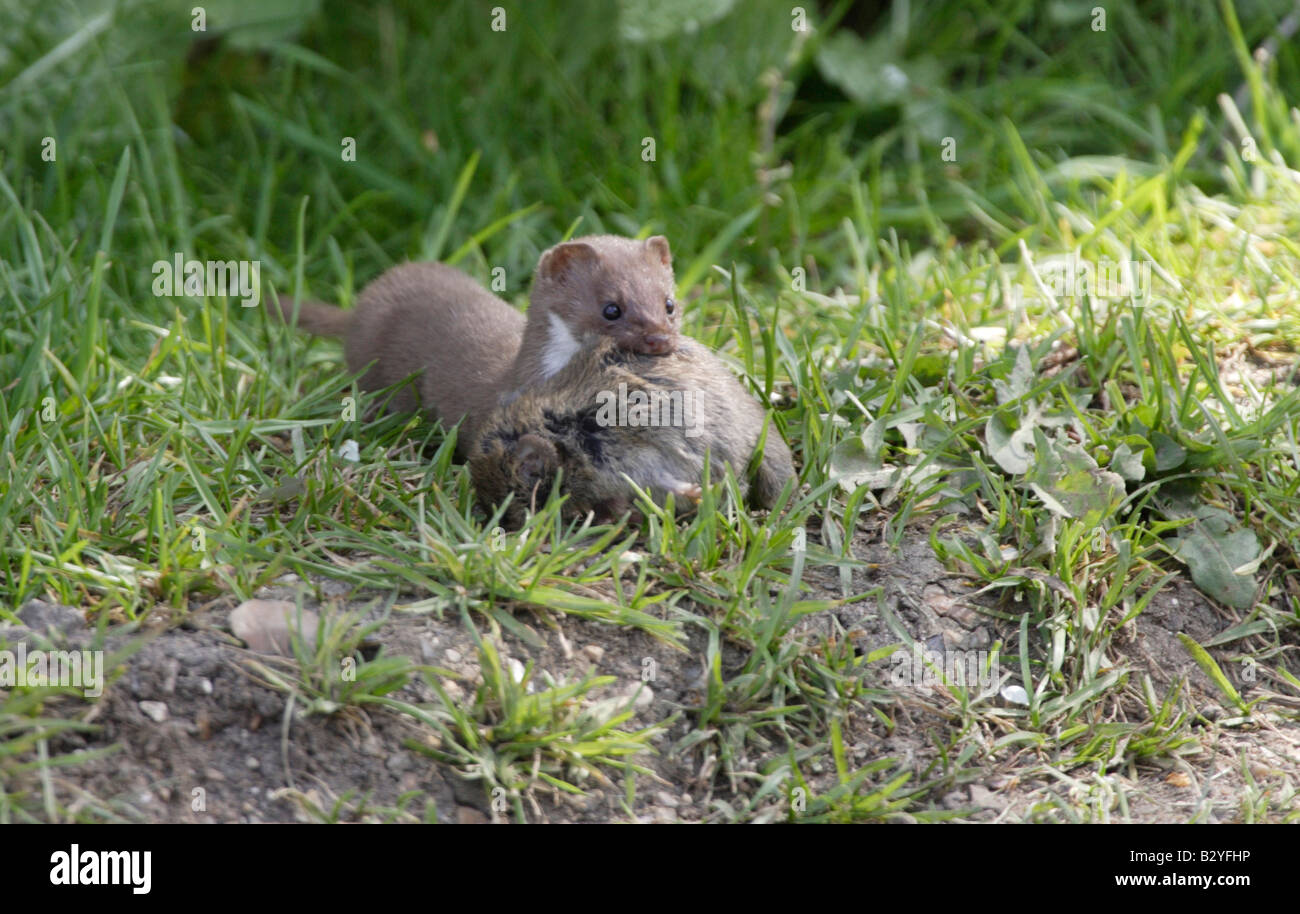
<point>656,344</point>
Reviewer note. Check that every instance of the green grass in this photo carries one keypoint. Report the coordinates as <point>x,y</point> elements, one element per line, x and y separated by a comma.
<point>158,451</point>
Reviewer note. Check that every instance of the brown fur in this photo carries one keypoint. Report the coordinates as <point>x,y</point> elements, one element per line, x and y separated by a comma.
<point>576,279</point>
<point>433,321</point>
<point>557,426</point>
<point>468,348</point>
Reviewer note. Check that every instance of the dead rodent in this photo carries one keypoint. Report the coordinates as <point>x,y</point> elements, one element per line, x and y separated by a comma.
<point>610,412</point>
<point>469,348</point>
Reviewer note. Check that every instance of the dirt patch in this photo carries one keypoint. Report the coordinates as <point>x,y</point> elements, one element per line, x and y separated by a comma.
<point>198,735</point>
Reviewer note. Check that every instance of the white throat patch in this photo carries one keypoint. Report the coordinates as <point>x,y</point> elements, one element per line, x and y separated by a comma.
<point>560,346</point>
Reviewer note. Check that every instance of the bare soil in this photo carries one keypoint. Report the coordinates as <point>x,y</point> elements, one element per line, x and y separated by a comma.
<point>234,749</point>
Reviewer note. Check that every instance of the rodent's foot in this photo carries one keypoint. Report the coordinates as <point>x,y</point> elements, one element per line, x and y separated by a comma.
<point>689,490</point>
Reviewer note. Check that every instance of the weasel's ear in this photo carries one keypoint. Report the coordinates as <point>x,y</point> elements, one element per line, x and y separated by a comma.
<point>657,246</point>
<point>559,260</point>
<point>536,458</point>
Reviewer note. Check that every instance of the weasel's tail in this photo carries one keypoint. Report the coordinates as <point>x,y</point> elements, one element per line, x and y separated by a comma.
<point>313,316</point>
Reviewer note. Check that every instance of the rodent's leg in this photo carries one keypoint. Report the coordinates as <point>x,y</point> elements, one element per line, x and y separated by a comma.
<point>609,510</point>
<point>536,459</point>
<point>689,490</point>
<point>680,489</point>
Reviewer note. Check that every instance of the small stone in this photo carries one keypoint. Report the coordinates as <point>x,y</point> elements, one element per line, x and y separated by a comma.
<point>451,655</point>
<point>398,762</point>
<point>1015,694</point>
<point>984,798</point>
<point>663,816</point>
<point>453,689</point>
<point>644,697</point>
<point>595,652</point>
<point>154,710</point>
<point>173,668</point>
<point>202,725</point>
<point>666,799</point>
<point>205,685</point>
<point>468,815</point>
<point>265,625</point>
<point>252,763</point>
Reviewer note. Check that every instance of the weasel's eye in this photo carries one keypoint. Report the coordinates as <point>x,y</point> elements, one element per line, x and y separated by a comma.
<point>670,305</point>
<point>612,312</point>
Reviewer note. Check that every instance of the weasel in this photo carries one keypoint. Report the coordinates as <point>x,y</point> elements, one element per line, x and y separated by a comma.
<point>592,422</point>
<point>469,349</point>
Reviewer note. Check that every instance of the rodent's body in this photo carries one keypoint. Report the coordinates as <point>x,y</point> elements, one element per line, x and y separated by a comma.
<point>469,349</point>
<point>563,425</point>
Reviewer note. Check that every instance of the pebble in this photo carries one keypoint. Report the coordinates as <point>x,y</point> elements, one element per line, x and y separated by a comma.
<point>984,798</point>
<point>155,710</point>
<point>451,655</point>
<point>663,816</point>
<point>252,763</point>
<point>666,799</point>
<point>265,625</point>
<point>595,652</point>
<point>468,815</point>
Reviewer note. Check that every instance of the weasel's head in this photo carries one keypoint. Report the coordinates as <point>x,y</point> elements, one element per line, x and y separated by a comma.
<point>606,286</point>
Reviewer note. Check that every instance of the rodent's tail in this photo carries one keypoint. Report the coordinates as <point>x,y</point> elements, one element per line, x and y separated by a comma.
<point>313,316</point>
